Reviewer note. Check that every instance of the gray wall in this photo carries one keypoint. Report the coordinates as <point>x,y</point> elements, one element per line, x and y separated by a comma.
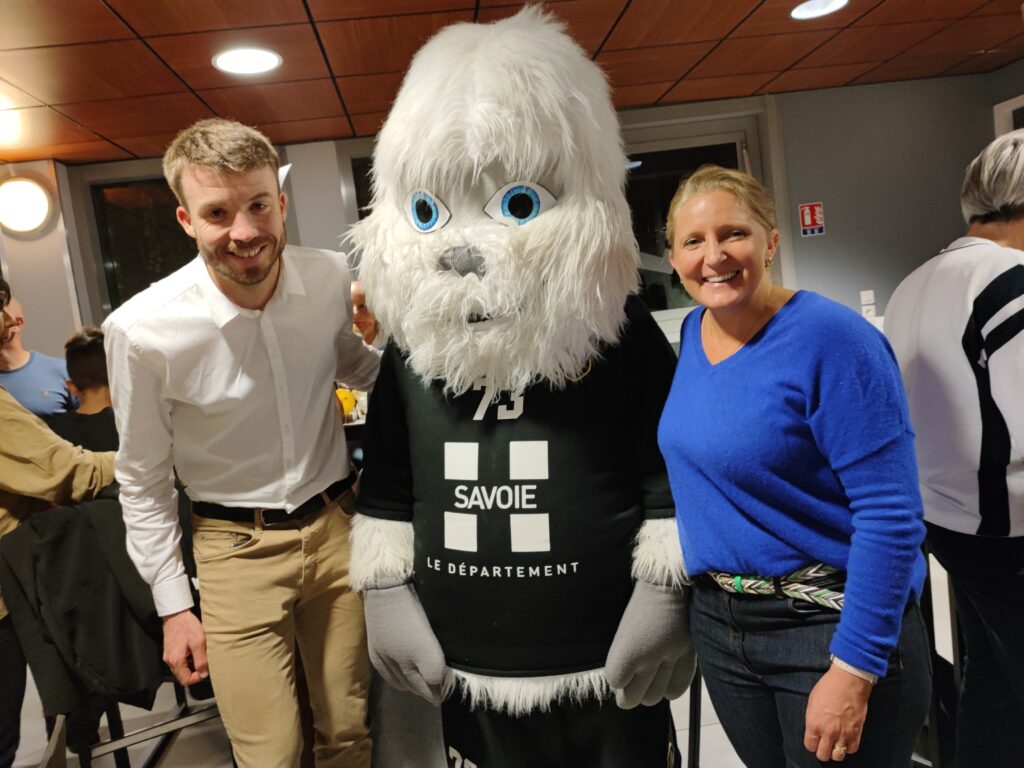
<point>1007,83</point>
<point>887,161</point>
<point>315,215</point>
<point>38,267</point>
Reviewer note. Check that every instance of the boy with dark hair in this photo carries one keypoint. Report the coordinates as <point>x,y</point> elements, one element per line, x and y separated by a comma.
<point>92,424</point>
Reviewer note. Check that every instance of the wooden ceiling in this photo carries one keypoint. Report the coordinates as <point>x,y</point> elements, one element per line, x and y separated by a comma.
<point>93,80</point>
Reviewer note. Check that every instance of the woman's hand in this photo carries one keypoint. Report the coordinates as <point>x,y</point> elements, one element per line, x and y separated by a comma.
<point>836,710</point>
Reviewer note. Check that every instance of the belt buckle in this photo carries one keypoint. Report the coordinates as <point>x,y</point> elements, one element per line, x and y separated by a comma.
<point>264,523</point>
<point>288,521</point>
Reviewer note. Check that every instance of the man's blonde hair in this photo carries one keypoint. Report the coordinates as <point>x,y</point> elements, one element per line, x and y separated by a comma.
<point>220,145</point>
<point>750,193</point>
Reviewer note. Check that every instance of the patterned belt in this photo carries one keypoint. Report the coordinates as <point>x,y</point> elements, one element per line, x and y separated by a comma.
<point>812,584</point>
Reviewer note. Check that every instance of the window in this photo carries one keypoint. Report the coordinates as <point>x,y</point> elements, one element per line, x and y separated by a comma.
<point>1009,115</point>
<point>362,168</point>
<point>139,236</point>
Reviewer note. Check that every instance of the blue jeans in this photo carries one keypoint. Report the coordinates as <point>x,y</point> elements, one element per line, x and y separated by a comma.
<point>761,656</point>
<point>12,691</point>
<point>987,576</point>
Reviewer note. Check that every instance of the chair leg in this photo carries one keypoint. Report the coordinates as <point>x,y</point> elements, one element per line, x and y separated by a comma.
<point>179,694</point>
<point>56,755</point>
<point>693,748</point>
<point>116,728</point>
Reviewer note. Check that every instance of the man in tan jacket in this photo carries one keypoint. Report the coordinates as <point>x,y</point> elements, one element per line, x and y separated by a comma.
<point>38,470</point>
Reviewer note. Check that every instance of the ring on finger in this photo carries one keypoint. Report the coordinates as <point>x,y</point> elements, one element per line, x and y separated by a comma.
<point>840,749</point>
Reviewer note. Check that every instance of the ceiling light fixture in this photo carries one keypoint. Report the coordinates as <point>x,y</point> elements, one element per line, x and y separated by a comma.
<point>247,61</point>
<point>812,9</point>
<point>24,205</point>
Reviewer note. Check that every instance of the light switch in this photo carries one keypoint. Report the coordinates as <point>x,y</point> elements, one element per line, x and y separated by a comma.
<point>867,297</point>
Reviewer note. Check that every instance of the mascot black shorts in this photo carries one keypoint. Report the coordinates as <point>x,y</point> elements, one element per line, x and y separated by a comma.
<point>591,735</point>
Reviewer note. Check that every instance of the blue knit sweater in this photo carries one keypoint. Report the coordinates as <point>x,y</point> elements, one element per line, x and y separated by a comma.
<point>798,449</point>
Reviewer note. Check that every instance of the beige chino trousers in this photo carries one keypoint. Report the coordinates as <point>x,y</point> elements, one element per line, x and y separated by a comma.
<point>264,592</point>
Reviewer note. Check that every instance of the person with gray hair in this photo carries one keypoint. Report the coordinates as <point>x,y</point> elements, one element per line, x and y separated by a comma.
<point>956,326</point>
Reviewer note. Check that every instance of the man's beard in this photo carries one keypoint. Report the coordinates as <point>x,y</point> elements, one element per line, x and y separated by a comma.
<point>248,275</point>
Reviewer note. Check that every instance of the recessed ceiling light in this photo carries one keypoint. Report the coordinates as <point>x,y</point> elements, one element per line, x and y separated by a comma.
<point>247,61</point>
<point>24,205</point>
<point>812,9</point>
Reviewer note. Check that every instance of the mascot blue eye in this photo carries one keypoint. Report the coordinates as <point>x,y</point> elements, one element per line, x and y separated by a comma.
<point>426,212</point>
<point>519,202</point>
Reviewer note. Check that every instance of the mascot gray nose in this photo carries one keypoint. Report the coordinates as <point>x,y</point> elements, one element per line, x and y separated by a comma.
<point>464,260</point>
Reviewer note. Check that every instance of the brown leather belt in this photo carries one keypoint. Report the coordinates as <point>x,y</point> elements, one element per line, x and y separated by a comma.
<point>310,506</point>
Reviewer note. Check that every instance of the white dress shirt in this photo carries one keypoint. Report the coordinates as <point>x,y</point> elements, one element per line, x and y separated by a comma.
<point>240,402</point>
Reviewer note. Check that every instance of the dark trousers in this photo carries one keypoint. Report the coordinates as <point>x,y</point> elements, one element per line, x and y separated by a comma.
<point>589,735</point>
<point>12,692</point>
<point>761,656</point>
<point>987,576</point>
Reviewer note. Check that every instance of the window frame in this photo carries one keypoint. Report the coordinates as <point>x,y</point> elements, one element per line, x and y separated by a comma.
<point>1002,114</point>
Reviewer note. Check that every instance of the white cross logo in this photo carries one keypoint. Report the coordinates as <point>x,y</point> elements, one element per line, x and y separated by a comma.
<point>527,460</point>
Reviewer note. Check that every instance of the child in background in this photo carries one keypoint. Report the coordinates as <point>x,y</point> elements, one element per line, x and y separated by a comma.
<point>92,424</point>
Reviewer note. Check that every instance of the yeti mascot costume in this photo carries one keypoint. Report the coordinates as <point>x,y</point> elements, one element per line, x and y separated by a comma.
<point>515,543</point>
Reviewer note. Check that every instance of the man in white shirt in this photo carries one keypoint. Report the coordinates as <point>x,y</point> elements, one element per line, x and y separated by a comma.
<point>223,372</point>
<point>957,327</point>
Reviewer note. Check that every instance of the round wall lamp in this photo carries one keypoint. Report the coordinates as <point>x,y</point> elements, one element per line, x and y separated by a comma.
<point>247,61</point>
<point>812,9</point>
<point>25,205</point>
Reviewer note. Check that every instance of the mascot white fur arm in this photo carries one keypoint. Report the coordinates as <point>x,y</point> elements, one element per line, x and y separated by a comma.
<point>515,542</point>
<point>651,657</point>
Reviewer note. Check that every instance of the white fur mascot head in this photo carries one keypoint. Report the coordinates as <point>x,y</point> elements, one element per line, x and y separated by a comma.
<point>499,242</point>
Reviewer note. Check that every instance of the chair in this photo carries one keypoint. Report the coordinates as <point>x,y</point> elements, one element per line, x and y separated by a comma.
<point>55,755</point>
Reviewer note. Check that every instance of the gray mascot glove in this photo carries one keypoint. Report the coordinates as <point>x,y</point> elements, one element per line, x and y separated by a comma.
<point>403,648</point>
<point>652,656</point>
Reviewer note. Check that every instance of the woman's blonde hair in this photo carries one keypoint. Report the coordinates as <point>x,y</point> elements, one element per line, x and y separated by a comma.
<point>751,194</point>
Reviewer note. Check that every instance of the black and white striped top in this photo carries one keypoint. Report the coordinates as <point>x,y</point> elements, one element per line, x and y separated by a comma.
<point>957,327</point>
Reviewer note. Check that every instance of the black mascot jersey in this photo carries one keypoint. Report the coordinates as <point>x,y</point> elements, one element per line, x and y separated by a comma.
<point>524,508</point>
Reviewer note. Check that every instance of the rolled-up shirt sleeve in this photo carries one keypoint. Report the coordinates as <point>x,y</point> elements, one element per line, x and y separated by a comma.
<point>145,470</point>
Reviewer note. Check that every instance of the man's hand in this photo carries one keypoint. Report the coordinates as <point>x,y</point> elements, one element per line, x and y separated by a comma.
<point>185,647</point>
<point>836,710</point>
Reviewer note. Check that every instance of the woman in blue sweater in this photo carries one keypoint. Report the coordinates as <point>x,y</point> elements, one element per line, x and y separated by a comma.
<point>791,458</point>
